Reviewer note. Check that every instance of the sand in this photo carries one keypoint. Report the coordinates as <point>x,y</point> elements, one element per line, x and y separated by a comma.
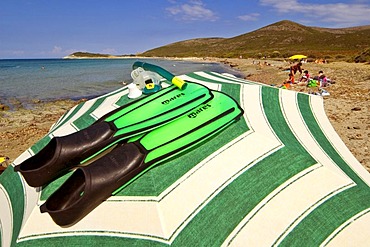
<point>347,106</point>
<point>20,128</point>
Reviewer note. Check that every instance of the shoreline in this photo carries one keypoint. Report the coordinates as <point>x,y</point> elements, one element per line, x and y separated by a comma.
<point>346,106</point>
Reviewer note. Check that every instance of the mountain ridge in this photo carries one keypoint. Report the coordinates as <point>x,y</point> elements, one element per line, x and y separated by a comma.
<point>277,40</point>
<point>280,39</point>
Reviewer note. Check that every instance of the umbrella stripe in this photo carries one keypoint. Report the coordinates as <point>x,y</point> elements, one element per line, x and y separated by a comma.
<point>14,205</point>
<point>250,178</point>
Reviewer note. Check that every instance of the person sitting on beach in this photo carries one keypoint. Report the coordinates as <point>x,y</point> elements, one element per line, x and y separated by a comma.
<point>287,83</point>
<point>295,68</point>
<point>304,79</point>
<point>322,79</point>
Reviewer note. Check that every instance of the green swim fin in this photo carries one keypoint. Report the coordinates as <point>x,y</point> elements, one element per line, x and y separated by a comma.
<point>63,153</point>
<point>91,185</point>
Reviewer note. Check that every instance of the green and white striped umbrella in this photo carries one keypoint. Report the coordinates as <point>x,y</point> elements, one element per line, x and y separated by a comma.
<point>279,176</point>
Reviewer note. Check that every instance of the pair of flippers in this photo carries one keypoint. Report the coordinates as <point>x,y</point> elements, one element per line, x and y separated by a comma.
<point>63,153</point>
<point>141,134</point>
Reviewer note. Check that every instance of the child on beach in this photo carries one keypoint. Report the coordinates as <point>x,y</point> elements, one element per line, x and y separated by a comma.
<point>287,83</point>
<point>304,79</point>
<point>322,79</point>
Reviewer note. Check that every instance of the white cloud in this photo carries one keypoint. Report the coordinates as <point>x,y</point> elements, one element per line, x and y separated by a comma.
<point>337,14</point>
<point>281,6</point>
<point>193,10</point>
<point>56,50</point>
<point>250,17</point>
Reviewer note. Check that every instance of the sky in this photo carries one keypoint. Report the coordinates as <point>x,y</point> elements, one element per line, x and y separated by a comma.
<point>56,28</point>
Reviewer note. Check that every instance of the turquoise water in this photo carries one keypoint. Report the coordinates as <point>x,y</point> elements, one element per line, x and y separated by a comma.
<point>26,80</point>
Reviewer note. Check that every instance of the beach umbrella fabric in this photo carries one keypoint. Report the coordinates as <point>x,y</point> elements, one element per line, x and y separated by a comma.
<point>294,57</point>
<point>279,176</point>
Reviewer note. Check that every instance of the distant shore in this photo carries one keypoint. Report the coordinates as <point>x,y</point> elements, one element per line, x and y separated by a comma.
<point>346,106</point>
<point>97,57</point>
<point>135,57</point>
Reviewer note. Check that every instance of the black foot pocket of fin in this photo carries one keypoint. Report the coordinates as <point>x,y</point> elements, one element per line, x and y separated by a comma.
<point>63,153</point>
<point>89,186</point>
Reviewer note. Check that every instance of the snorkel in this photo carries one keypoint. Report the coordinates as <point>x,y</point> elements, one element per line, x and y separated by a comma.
<point>177,81</point>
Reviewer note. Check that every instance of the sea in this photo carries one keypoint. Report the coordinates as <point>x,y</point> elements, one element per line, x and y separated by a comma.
<point>32,80</point>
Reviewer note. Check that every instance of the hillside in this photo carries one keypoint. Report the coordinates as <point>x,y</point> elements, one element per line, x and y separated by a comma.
<point>281,39</point>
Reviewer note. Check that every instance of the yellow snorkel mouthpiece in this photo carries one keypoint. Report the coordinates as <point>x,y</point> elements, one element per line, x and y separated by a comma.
<point>178,82</point>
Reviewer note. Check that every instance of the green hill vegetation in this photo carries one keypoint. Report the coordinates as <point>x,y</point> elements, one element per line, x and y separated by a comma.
<point>89,54</point>
<point>278,40</point>
<point>95,55</point>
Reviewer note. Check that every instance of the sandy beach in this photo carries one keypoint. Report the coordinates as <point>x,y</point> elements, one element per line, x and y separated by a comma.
<point>347,106</point>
